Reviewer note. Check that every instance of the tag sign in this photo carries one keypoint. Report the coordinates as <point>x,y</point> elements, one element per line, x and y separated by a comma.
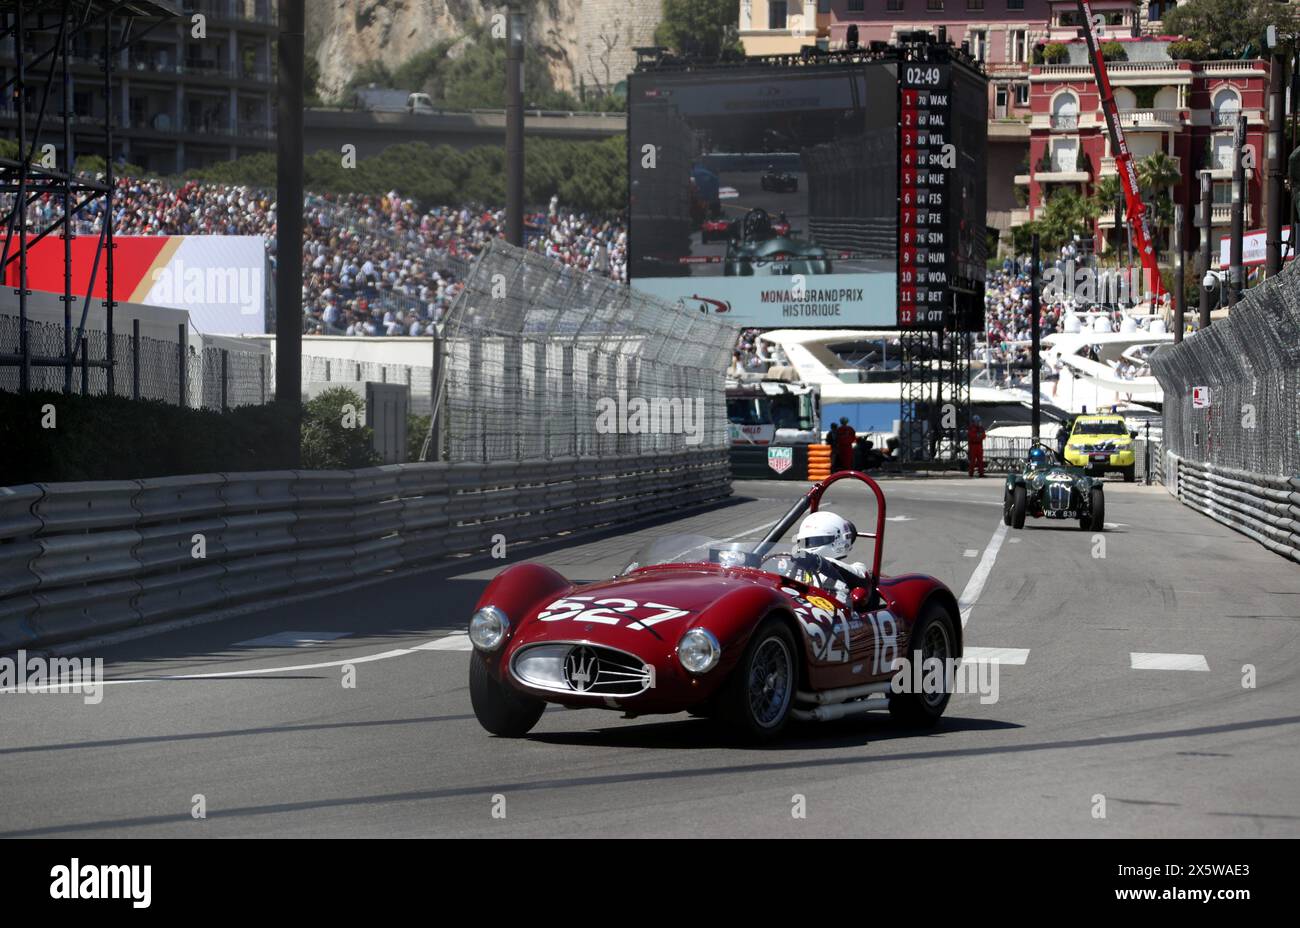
<point>780,459</point>
<point>1200,397</point>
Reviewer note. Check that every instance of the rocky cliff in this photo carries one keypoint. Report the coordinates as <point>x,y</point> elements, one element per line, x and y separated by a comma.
<point>582,41</point>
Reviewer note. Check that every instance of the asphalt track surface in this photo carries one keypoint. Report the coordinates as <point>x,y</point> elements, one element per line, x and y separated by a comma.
<point>277,746</point>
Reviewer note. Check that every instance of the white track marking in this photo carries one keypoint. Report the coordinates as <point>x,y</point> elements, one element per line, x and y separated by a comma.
<point>971,552</point>
<point>435,645</point>
<point>456,642</point>
<point>975,586</point>
<point>291,639</point>
<point>1009,656</point>
<point>899,519</point>
<point>1140,660</point>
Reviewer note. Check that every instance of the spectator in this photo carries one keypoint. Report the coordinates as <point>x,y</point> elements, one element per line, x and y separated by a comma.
<point>975,442</point>
<point>844,439</point>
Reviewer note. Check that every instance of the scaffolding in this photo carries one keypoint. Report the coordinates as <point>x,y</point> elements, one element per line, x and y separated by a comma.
<point>42,34</point>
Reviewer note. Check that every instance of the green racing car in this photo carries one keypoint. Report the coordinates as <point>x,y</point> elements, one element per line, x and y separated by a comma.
<point>1047,487</point>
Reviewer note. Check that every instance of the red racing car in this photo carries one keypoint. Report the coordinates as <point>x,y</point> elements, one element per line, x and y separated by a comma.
<point>746,632</point>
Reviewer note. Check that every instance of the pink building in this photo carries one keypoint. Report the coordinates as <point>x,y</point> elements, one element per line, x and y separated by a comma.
<point>1045,128</point>
<point>1185,109</point>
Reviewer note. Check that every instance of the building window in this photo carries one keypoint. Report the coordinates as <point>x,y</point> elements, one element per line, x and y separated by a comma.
<point>894,6</point>
<point>1015,4</point>
<point>935,5</point>
<point>1022,94</point>
<point>857,6</point>
<point>823,6</point>
<point>978,41</point>
<point>1157,9</point>
<point>1019,45</point>
<point>1227,106</point>
<point>974,4</point>
<point>776,14</point>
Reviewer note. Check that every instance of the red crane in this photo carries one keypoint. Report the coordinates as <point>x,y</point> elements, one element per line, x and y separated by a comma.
<point>1136,209</point>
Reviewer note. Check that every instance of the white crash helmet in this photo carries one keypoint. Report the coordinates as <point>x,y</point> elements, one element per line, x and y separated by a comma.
<point>825,534</point>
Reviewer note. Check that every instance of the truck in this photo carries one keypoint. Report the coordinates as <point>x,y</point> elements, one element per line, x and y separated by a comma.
<point>377,99</point>
<point>773,412</point>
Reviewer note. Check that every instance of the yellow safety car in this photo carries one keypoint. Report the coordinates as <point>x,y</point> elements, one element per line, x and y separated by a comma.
<point>1100,444</point>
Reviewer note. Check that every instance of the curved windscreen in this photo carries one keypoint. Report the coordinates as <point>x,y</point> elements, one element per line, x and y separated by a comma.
<point>700,549</point>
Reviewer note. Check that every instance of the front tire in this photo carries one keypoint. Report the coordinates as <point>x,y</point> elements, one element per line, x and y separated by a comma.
<point>1019,503</point>
<point>1096,517</point>
<point>757,698</point>
<point>498,708</point>
<point>1006,508</point>
<point>935,637</point>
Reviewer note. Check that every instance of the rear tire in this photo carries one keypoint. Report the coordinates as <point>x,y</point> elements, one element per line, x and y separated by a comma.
<point>1018,505</point>
<point>1096,510</point>
<point>935,636</point>
<point>498,708</point>
<point>756,699</point>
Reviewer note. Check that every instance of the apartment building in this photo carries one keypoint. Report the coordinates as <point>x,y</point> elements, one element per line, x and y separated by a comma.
<point>186,93</point>
<point>1185,109</point>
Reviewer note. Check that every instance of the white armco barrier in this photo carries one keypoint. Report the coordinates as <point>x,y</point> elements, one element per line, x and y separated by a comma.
<point>81,559</point>
<point>1260,506</point>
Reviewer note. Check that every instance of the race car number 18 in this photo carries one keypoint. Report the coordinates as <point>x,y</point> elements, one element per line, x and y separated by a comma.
<point>884,632</point>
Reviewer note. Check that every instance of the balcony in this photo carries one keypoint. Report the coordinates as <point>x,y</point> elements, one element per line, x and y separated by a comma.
<point>1154,119</point>
<point>1064,123</point>
<point>1221,214</point>
<point>1121,73</point>
<point>248,11</point>
<point>1108,164</point>
<point>1057,175</point>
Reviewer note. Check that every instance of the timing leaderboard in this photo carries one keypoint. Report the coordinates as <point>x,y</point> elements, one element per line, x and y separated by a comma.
<point>926,160</point>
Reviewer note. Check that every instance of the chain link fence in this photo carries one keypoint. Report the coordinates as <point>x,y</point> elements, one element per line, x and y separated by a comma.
<point>147,368</point>
<point>1248,414</point>
<point>538,361</point>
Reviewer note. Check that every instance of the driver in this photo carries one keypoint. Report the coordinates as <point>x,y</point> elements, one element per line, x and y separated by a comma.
<point>1038,457</point>
<point>823,539</point>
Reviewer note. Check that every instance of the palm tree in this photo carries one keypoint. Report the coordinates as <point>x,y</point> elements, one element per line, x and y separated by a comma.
<point>1106,194</point>
<point>1157,174</point>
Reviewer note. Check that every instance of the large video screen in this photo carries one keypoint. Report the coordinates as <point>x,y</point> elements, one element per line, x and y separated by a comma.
<point>767,193</point>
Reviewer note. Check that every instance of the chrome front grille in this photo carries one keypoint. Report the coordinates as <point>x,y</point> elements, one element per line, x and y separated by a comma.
<point>1059,495</point>
<point>575,667</point>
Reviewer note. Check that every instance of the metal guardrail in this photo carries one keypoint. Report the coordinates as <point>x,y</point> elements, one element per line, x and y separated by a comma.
<point>79,559</point>
<point>1260,506</point>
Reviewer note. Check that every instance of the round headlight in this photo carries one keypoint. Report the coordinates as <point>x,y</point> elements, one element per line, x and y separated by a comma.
<point>699,651</point>
<point>488,628</point>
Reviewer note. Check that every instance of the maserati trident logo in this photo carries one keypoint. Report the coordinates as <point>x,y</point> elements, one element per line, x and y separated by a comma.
<point>580,668</point>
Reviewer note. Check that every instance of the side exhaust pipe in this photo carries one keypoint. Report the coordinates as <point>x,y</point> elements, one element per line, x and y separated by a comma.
<point>843,710</point>
<point>827,697</point>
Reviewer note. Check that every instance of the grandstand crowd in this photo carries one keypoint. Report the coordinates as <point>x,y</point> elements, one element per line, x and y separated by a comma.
<point>372,265</point>
<point>380,265</point>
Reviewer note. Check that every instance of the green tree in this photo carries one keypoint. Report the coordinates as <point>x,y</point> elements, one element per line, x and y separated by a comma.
<point>477,78</point>
<point>332,434</point>
<point>703,28</point>
<point>1106,193</point>
<point>1157,175</point>
<point>1229,27</point>
<point>1065,215</point>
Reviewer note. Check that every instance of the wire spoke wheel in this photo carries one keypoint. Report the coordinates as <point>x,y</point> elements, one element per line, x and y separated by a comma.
<point>936,646</point>
<point>771,677</point>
